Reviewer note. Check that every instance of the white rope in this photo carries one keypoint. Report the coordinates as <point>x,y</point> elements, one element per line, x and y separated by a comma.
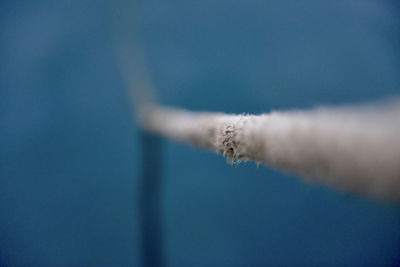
<point>356,149</point>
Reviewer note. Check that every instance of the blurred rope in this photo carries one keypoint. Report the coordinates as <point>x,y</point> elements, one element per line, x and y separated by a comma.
<point>139,88</point>
<point>353,148</point>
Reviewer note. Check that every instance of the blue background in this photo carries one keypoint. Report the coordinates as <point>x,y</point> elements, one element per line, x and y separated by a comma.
<point>69,150</point>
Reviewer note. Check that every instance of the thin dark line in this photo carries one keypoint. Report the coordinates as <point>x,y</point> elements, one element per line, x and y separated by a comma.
<point>150,200</point>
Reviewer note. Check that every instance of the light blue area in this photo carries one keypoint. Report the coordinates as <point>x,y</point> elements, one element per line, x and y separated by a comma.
<point>69,152</point>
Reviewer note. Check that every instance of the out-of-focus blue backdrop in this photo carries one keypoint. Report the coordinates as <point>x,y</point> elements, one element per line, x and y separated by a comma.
<point>69,147</point>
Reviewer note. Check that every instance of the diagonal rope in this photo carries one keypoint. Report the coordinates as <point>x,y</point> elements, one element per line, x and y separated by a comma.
<point>355,149</point>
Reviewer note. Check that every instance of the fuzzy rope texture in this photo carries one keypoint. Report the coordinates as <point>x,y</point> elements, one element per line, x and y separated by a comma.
<point>356,149</point>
